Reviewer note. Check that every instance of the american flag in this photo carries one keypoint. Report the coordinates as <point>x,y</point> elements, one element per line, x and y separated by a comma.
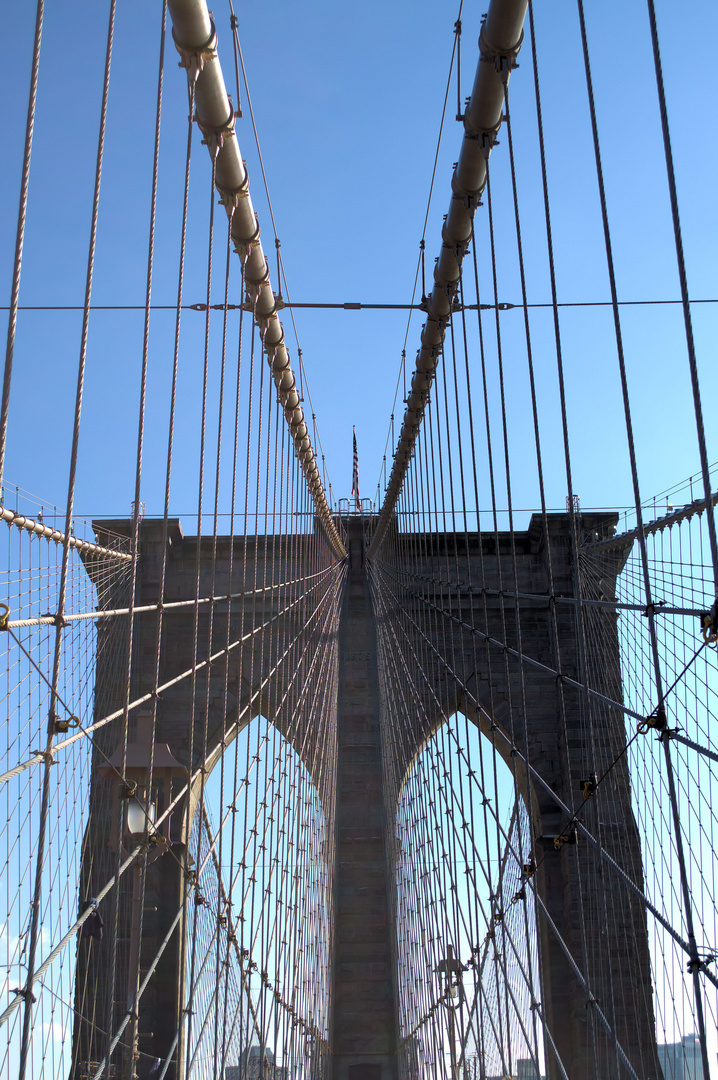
<point>355,475</point>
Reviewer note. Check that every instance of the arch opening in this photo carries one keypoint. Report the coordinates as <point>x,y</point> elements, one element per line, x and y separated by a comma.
<point>259,933</point>
<point>465,922</point>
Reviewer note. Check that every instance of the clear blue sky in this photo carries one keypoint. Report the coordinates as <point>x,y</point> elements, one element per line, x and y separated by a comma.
<point>348,102</point>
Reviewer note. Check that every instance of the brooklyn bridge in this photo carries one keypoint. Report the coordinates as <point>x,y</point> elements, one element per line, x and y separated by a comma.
<point>306,782</point>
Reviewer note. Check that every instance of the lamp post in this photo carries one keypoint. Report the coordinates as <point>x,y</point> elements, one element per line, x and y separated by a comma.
<point>146,796</point>
<point>452,969</point>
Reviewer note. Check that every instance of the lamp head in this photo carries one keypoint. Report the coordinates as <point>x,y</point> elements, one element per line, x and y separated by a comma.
<point>136,818</point>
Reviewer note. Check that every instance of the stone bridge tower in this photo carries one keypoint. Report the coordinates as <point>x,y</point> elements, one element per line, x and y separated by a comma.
<point>550,733</point>
<point>545,718</point>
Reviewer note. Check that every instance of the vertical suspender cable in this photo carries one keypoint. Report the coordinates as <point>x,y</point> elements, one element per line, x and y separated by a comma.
<point>680,258</point>
<point>196,41</point>
<point>136,516</point>
<point>37,895</point>
<point>20,239</point>
<point>499,44</point>
<point>695,966</point>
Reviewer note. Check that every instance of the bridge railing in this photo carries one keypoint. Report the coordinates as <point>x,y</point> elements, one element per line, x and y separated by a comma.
<point>352,508</point>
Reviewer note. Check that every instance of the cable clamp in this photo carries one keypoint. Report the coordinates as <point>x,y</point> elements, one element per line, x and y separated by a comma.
<point>458,251</point>
<point>213,137</point>
<point>230,197</point>
<point>529,869</point>
<point>504,66</point>
<point>709,624</point>
<point>652,608</point>
<point>487,138</point>
<point>128,789</point>
<point>472,201</point>
<point>670,732</point>
<point>4,617</point>
<point>194,59</point>
<point>48,756</point>
<point>657,721</point>
<point>501,59</point>
<point>94,923</point>
<point>700,963</point>
<point>25,993</point>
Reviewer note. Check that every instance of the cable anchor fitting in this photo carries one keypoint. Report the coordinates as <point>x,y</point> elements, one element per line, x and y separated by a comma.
<point>588,786</point>
<point>60,727</point>
<point>657,721</point>
<point>568,836</point>
<point>709,624</point>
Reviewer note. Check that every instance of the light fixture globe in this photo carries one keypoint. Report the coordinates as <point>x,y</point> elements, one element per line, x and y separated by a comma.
<point>136,817</point>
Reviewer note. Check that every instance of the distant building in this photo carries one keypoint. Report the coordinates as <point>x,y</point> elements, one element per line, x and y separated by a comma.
<point>253,1065</point>
<point>682,1060</point>
<point>524,1069</point>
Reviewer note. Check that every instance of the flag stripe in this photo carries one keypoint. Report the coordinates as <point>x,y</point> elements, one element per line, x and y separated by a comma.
<point>355,476</point>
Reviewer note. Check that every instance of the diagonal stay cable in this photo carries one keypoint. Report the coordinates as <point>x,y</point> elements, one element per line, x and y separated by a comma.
<point>514,750</point>
<point>172,805</point>
<point>144,698</point>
